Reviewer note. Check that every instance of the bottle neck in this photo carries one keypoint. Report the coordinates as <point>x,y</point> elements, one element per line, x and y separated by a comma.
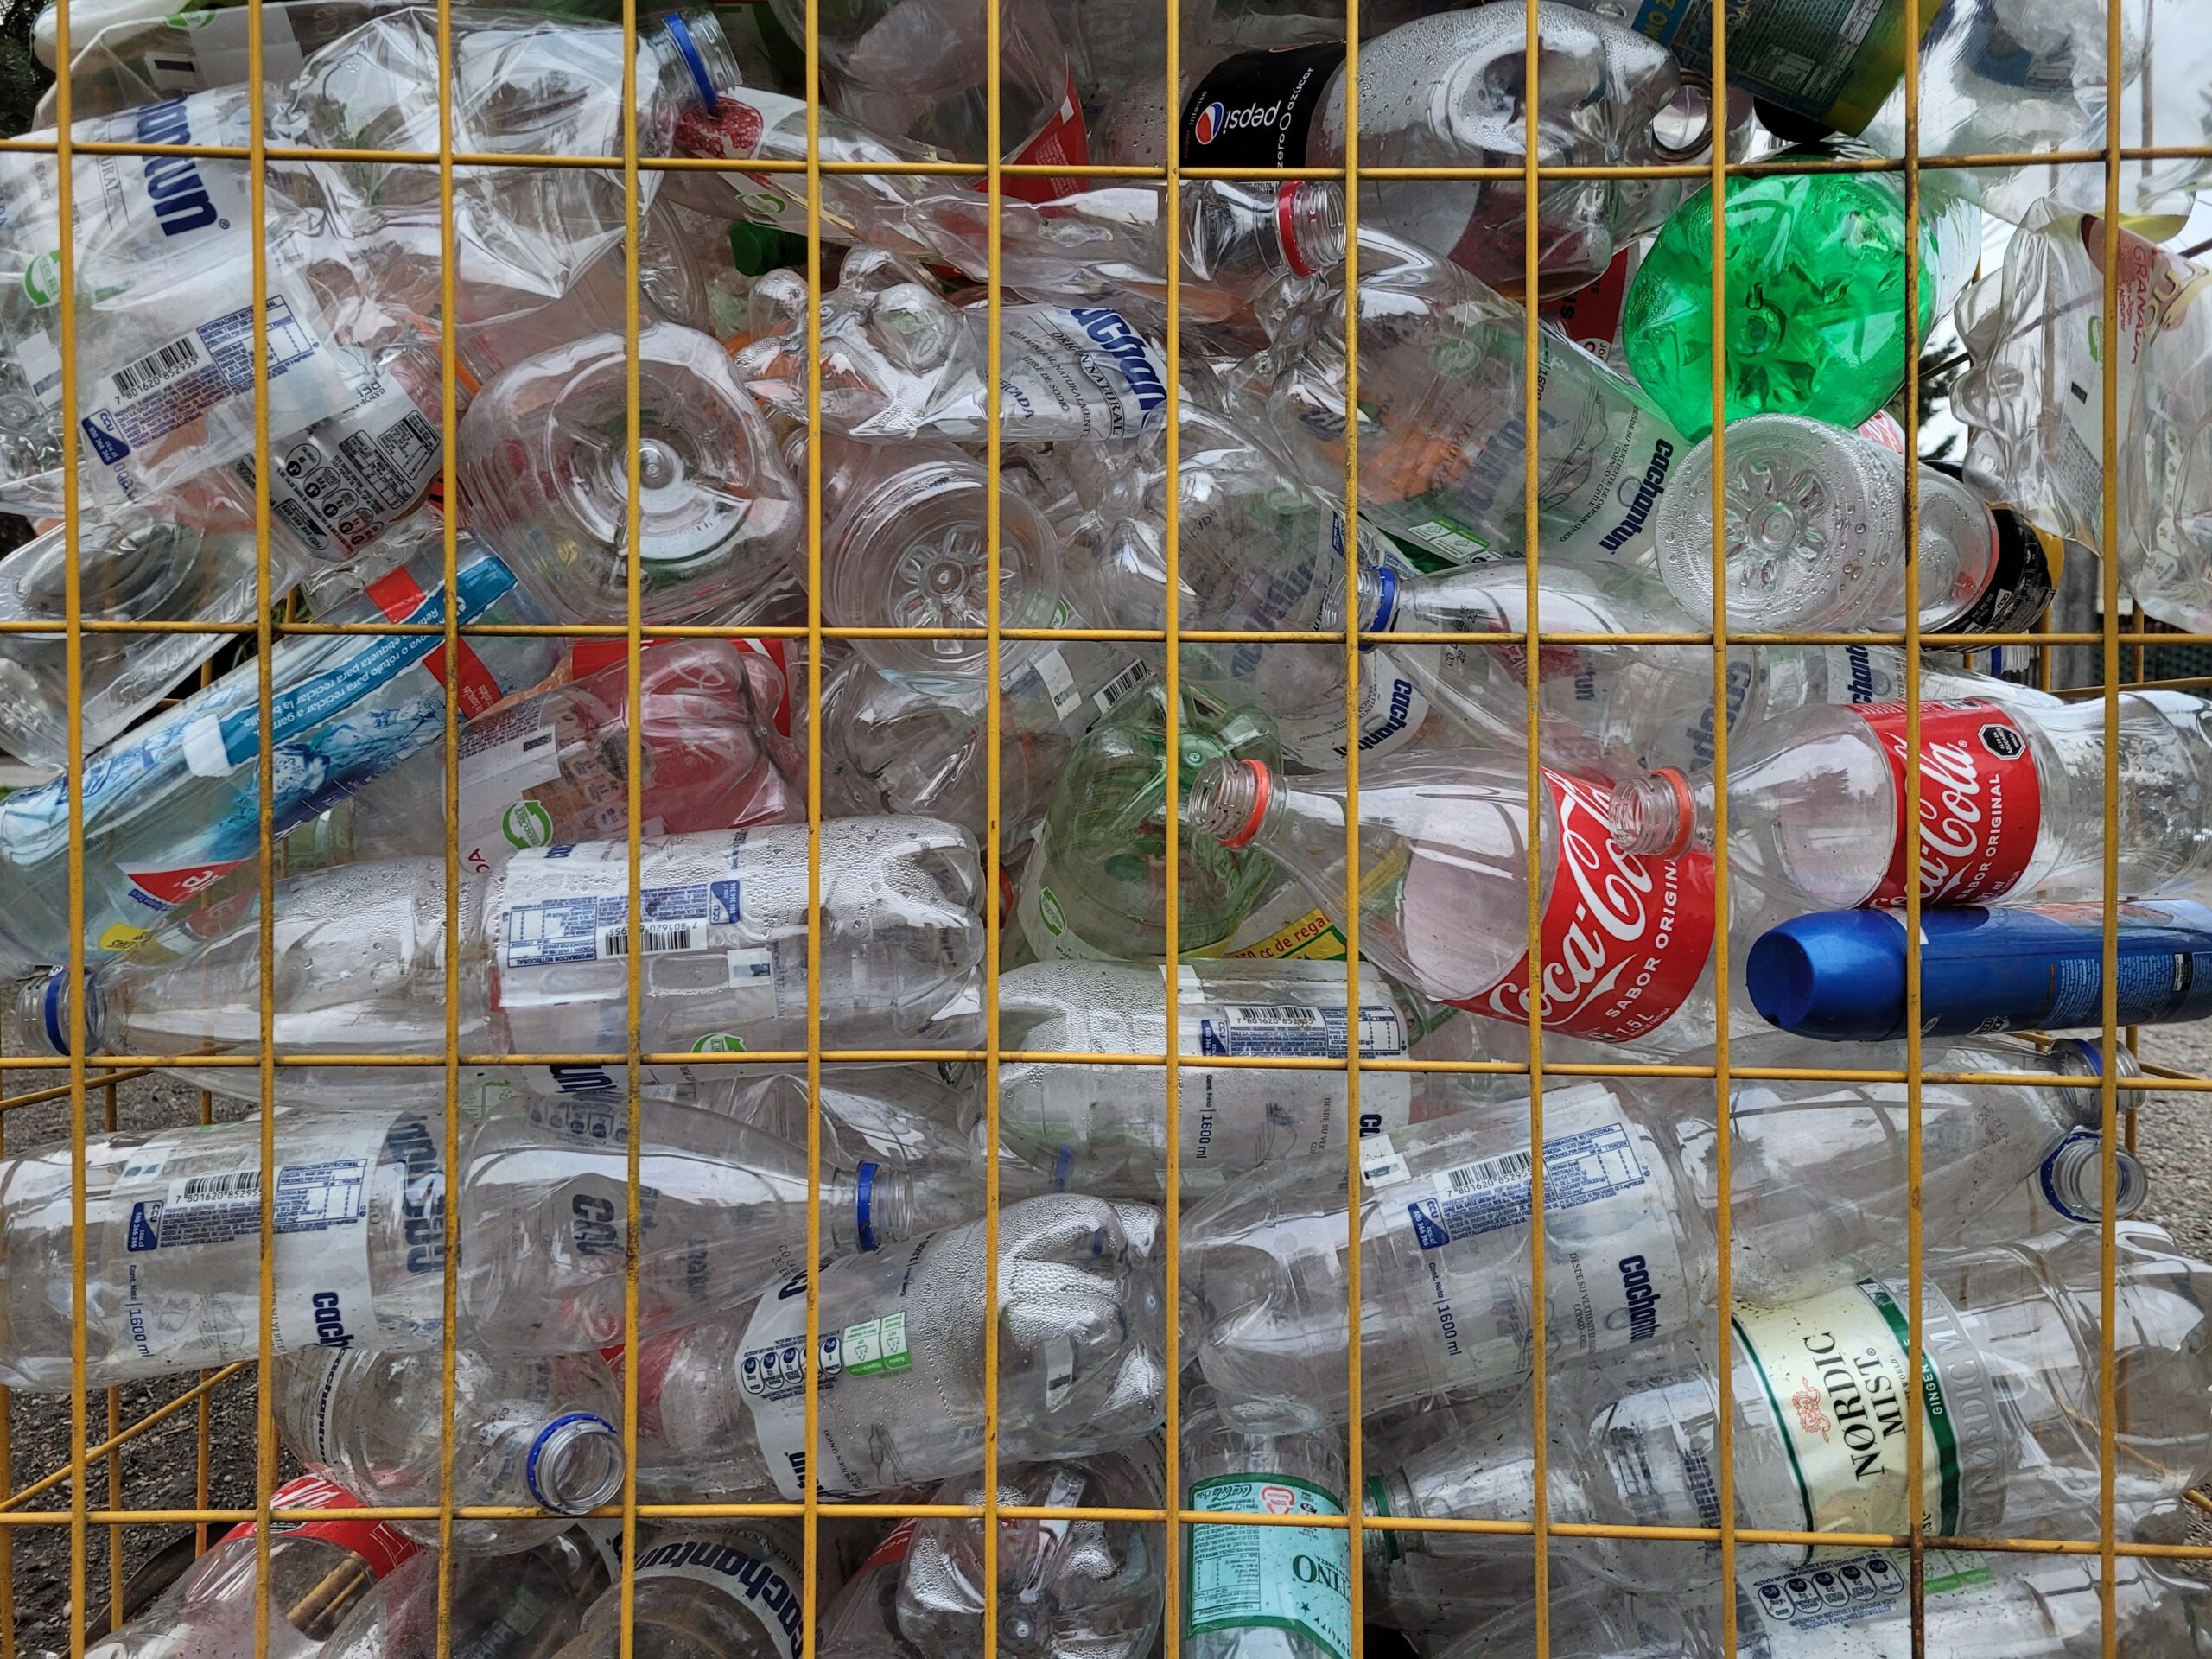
<point>35,1018</point>
<point>1310,226</point>
<point>2078,1057</point>
<point>1662,815</point>
<point>575,1463</point>
<point>2073,1179</point>
<point>872,1205</point>
<point>1232,801</point>
<point>692,40</point>
<point>1389,1496</point>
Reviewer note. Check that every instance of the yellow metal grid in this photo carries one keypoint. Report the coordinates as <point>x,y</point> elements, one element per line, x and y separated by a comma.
<point>84,1076</point>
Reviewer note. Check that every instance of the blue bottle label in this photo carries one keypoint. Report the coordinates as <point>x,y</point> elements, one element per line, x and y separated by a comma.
<point>2043,968</point>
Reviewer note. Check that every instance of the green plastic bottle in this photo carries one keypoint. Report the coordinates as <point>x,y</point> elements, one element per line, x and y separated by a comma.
<point>1096,884</point>
<point>1816,315</point>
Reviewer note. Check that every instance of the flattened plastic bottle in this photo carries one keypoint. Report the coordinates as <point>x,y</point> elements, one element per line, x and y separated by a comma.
<point>173,1279</point>
<point>721,1404</point>
<point>533,1431</point>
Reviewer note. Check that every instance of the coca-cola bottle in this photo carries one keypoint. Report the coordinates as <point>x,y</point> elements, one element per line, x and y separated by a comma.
<point>1627,941</point>
<point>2010,802</point>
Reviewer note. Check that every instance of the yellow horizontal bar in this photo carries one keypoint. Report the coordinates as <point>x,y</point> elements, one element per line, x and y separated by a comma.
<point>895,168</point>
<point>1149,635</point>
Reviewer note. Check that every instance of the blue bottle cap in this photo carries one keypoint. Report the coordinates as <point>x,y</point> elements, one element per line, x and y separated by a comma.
<point>1838,975</point>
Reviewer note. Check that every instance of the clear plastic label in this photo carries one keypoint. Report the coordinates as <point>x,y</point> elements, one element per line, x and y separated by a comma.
<point>1285,1577</point>
<point>1831,1371</point>
<point>341,482</point>
<point>502,760</point>
<point>563,904</point>
<point>771,1374</point>
<point>1584,1167</point>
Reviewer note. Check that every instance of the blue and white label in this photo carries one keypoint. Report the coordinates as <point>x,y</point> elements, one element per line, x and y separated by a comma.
<point>559,904</point>
<point>1470,1199</point>
<point>1074,375</point>
<point>188,1203</point>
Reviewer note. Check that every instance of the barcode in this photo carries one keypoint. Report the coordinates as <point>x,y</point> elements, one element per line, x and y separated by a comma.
<point>151,370</point>
<point>1492,1172</point>
<point>538,740</point>
<point>1121,684</point>
<point>659,936</point>
<point>240,1183</point>
<point>1286,1015</point>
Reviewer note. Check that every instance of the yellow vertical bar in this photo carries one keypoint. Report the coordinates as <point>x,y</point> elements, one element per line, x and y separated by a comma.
<point>1531,424</point>
<point>632,827</point>
<point>264,857</point>
<point>2109,1014</point>
<point>810,1490</point>
<point>1355,1471</point>
<point>994,308</point>
<point>1916,1326</point>
<point>1723,1117</point>
<point>203,1428</point>
<point>1171,1047</point>
<point>449,433</point>
<point>73,661</point>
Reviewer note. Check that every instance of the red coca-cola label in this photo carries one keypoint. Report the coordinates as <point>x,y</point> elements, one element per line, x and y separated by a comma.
<point>379,1546</point>
<point>399,596</point>
<point>1061,142</point>
<point>1980,800</point>
<point>1625,937</point>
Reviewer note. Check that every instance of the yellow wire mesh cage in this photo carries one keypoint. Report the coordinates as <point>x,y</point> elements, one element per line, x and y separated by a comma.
<point>67,1496</point>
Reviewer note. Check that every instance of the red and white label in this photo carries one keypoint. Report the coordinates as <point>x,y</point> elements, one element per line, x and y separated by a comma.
<point>168,887</point>
<point>399,596</point>
<point>1881,427</point>
<point>587,657</point>
<point>378,1545</point>
<point>1061,143</point>
<point>1980,800</point>
<point>1590,317</point>
<point>1625,937</point>
<point>896,1542</point>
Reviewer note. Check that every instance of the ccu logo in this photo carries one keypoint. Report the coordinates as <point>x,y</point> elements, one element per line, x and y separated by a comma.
<point>1207,128</point>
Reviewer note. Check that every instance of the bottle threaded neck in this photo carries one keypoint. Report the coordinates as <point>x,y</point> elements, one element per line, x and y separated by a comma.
<point>1654,815</point>
<point>2073,1179</point>
<point>1310,226</point>
<point>575,1463</point>
<point>1228,800</point>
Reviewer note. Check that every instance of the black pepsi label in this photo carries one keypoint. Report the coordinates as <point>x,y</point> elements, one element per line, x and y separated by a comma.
<point>1255,109</point>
